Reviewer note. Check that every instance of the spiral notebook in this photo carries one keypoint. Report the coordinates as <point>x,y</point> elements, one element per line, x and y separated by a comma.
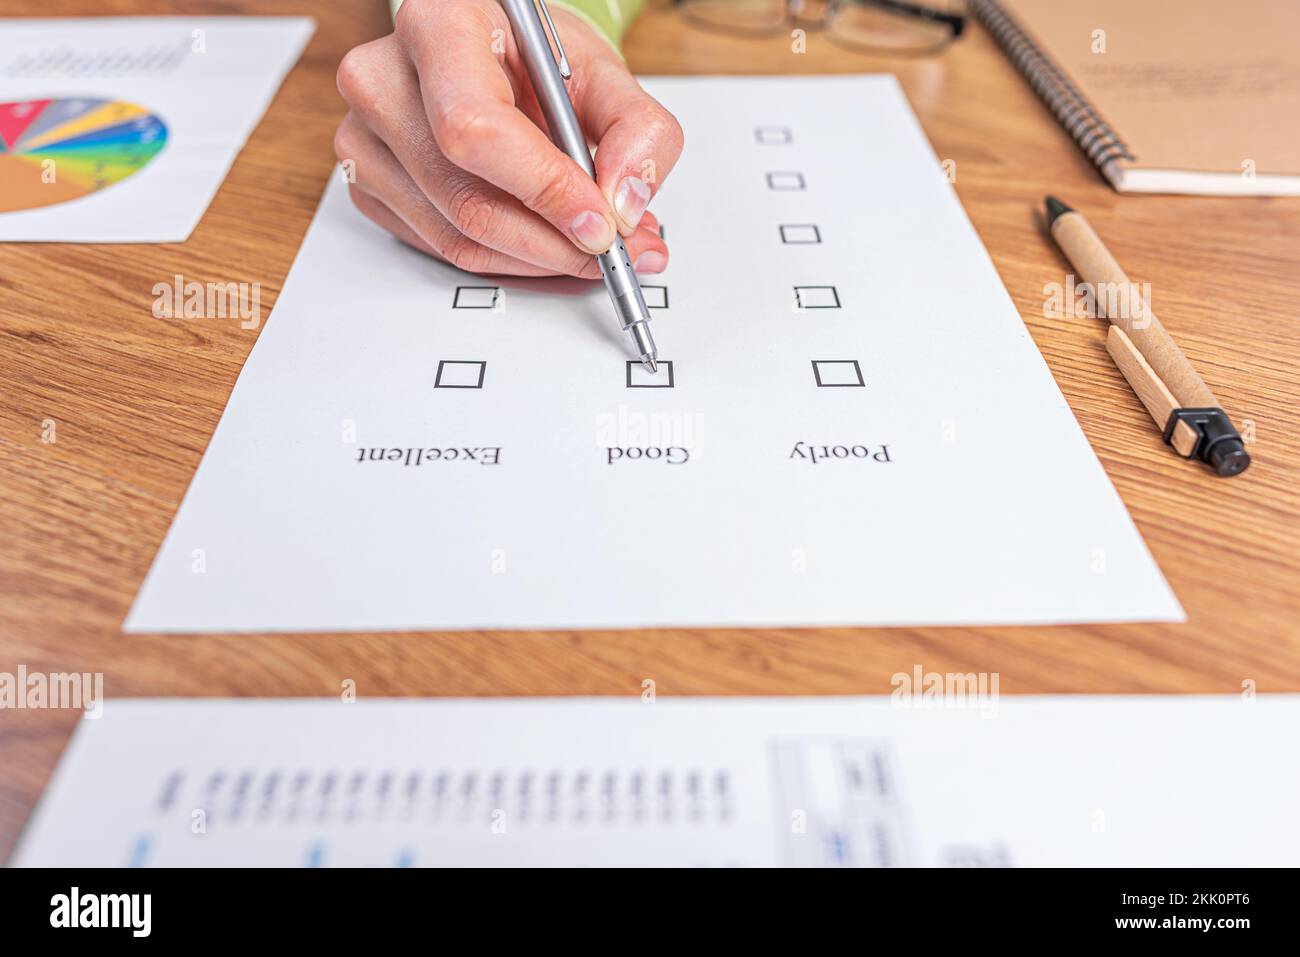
<point>1166,96</point>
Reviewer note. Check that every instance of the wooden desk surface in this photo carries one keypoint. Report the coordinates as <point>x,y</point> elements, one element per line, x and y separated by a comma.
<point>135,400</point>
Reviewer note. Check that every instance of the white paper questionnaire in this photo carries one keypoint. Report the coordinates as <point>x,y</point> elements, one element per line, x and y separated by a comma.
<point>851,425</point>
<point>1114,781</point>
<point>121,129</point>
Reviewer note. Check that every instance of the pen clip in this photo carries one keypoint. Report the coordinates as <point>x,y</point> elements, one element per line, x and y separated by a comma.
<point>564,61</point>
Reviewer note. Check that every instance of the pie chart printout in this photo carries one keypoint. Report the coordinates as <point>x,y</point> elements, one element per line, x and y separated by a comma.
<point>56,150</point>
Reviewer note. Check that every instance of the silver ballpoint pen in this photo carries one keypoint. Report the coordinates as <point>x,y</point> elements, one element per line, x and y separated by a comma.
<point>548,78</point>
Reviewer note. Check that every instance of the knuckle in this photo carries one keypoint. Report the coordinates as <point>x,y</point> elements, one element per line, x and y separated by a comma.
<point>463,253</point>
<point>405,13</point>
<point>459,128</point>
<point>667,131</point>
<point>473,212</point>
<point>554,186</point>
<point>603,72</point>
<point>485,17</point>
<point>417,16</point>
<point>411,15</point>
<point>354,78</point>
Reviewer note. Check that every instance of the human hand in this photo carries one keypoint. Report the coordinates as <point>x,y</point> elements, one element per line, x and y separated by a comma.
<point>450,153</point>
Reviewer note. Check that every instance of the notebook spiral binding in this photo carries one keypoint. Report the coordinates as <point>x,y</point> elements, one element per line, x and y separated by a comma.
<point>1096,137</point>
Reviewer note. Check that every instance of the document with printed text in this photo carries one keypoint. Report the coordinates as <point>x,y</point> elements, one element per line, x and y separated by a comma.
<point>967,778</point>
<point>850,424</point>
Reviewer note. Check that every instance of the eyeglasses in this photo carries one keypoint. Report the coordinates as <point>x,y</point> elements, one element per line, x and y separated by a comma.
<point>879,26</point>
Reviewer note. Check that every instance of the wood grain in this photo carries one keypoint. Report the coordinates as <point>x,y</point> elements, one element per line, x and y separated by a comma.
<point>135,400</point>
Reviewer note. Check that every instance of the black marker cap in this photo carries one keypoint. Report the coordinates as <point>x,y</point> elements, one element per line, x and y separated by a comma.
<point>1219,445</point>
<point>1055,209</point>
<point>1229,457</point>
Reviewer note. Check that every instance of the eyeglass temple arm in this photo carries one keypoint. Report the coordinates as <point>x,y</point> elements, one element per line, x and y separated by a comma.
<point>955,21</point>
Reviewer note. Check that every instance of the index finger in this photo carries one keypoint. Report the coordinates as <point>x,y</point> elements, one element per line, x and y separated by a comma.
<point>638,141</point>
<point>470,103</point>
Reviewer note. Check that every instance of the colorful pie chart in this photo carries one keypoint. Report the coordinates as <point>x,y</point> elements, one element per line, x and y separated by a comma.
<point>53,151</point>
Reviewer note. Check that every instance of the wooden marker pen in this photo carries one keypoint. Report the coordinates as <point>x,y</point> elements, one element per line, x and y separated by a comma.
<point>1178,399</point>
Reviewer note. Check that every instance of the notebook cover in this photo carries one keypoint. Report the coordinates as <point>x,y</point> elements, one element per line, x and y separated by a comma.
<point>1187,84</point>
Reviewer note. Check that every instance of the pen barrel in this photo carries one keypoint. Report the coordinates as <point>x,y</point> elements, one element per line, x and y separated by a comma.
<point>566,132</point>
<point>1111,287</point>
<point>548,84</point>
<point>622,284</point>
<point>1151,390</point>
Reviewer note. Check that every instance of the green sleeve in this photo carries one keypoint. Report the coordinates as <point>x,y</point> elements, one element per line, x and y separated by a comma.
<point>609,18</point>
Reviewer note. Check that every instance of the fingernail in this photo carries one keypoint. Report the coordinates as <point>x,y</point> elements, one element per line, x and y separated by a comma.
<point>630,200</point>
<point>593,231</point>
<point>650,261</point>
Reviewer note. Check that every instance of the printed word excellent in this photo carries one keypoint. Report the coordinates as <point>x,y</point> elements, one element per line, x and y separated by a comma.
<point>486,455</point>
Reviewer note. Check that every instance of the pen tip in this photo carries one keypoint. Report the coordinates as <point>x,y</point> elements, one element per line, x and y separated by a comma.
<point>1055,209</point>
<point>650,364</point>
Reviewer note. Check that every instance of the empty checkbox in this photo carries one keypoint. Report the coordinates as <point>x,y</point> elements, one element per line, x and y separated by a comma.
<point>801,234</point>
<point>460,374</point>
<point>639,377</point>
<point>773,135</point>
<point>785,181</point>
<point>476,297</point>
<point>656,297</point>
<point>816,297</point>
<point>837,373</point>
